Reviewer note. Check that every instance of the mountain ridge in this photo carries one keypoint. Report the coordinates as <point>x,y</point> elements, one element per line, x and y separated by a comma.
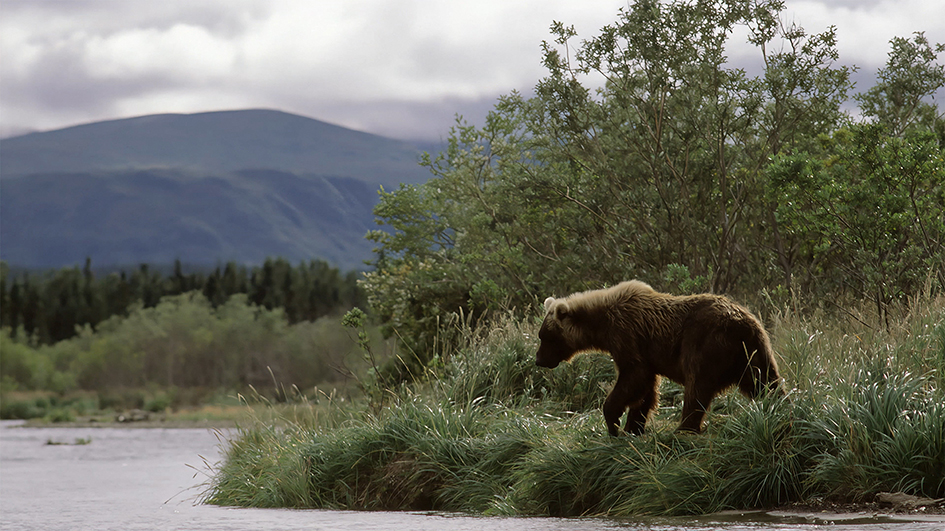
<point>213,142</point>
<point>202,188</point>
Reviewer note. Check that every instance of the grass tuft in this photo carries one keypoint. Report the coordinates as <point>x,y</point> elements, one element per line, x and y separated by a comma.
<point>489,433</point>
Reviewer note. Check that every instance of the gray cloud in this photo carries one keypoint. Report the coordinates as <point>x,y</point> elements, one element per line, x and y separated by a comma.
<point>54,17</point>
<point>400,68</point>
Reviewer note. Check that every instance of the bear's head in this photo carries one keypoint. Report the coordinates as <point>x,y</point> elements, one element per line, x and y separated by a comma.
<point>559,339</point>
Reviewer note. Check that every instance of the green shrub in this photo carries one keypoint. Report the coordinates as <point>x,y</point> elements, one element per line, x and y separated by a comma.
<point>22,409</point>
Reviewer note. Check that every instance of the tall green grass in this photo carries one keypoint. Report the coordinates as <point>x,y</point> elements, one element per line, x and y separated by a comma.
<point>489,433</point>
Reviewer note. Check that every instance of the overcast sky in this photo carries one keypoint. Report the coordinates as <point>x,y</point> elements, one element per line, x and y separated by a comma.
<point>400,68</point>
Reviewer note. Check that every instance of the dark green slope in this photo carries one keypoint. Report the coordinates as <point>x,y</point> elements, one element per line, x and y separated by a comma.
<point>51,220</point>
<point>206,188</point>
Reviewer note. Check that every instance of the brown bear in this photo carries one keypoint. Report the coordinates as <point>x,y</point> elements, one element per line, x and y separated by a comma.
<point>706,343</point>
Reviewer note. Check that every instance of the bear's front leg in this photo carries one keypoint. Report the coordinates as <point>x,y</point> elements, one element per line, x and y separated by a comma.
<point>695,404</point>
<point>638,414</point>
<point>614,406</point>
<point>633,390</point>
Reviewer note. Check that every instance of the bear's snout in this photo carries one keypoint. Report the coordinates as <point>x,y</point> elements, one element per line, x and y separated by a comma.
<point>544,358</point>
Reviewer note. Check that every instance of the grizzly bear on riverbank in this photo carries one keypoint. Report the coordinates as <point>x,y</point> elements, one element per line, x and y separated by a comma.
<point>706,343</point>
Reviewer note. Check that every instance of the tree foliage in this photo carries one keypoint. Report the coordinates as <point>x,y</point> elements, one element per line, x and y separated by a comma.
<point>644,153</point>
<point>868,215</point>
<point>899,100</point>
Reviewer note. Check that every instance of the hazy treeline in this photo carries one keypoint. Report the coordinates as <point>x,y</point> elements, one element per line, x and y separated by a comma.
<point>52,306</point>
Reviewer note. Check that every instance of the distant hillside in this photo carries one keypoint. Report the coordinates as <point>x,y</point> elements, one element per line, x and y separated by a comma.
<point>202,188</point>
<point>214,143</point>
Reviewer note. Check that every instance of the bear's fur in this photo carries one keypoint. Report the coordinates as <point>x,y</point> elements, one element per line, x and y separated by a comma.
<point>706,343</point>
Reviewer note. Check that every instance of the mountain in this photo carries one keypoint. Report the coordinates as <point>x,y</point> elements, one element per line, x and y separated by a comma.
<point>203,188</point>
<point>214,143</point>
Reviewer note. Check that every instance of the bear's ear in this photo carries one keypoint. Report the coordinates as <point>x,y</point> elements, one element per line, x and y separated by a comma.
<point>548,302</point>
<point>562,310</point>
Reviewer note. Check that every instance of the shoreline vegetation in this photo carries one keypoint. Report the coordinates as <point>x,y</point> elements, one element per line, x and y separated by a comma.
<point>78,345</point>
<point>486,432</point>
<point>182,355</point>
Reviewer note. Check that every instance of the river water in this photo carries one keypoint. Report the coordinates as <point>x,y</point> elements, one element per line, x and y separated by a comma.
<point>151,479</point>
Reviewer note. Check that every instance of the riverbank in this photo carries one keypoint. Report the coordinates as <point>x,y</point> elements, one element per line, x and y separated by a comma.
<point>861,516</point>
<point>207,416</point>
<point>148,479</point>
<point>196,417</point>
<point>160,407</point>
<point>497,461</point>
<point>903,508</point>
<point>489,433</point>
<point>142,478</point>
<point>814,510</point>
<point>909,507</point>
<point>146,424</point>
